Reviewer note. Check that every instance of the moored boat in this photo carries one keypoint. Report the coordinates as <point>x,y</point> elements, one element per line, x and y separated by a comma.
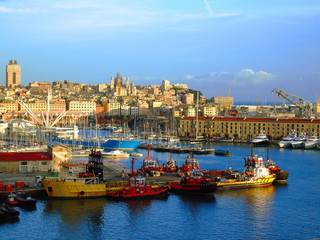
<point>190,163</point>
<point>12,200</point>
<point>312,142</point>
<point>116,154</point>
<point>298,142</point>
<point>261,140</point>
<point>220,152</point>
<point>255,174</point>
<point>24,199</point>
<point>281,176</point>
<point>137,188</point>
<point>80,180</point>
<point>193,183</point>
<point>286,141</point>
<point>8,213</point>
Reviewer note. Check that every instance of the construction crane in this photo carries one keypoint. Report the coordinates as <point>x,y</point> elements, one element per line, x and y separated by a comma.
<point>221,108</point>
<point>227,101</point>
<point>304,105</point>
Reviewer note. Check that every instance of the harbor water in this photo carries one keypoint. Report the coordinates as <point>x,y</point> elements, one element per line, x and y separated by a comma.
<point>287,211</point>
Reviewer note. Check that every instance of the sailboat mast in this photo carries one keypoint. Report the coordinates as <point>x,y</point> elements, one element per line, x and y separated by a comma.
<point>197,114</point>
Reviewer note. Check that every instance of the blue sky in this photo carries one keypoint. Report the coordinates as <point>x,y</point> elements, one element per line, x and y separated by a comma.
<point>248,45</point>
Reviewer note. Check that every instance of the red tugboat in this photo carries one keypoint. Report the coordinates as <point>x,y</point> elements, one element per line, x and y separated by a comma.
<point>193,183</point>
<point>281,176</point>
<point>11,200</point>
<point>150,165</point>
<point>138,189</point>
<point>190,163</point>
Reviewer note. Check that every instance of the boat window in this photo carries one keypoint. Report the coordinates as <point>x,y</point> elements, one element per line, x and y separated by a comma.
<point>49,189</point>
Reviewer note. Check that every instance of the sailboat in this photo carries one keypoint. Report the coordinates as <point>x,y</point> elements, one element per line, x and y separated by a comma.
<point>197,139</point>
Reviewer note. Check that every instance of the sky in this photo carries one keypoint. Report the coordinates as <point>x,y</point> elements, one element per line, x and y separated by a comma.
<point>248,45</point>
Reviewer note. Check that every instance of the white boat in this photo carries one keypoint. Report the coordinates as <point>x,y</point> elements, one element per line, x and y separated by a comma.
<point>312,142</point>
<point>136,154</point>
<point>261,140</point>
<point>116,154</point>
<point>298,142</point>
<point>286,141</point>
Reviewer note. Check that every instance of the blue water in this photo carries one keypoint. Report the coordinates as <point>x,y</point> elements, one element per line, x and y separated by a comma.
<point>289,211</point>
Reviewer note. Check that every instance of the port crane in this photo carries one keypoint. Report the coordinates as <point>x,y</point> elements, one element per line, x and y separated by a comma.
<point>304,105</point>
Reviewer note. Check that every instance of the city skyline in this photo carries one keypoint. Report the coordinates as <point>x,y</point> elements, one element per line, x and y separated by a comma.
<point>252,47</point>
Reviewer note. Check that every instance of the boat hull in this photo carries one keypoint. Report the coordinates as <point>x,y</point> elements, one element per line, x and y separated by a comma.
<point>60,189</point>
<point>208,189</point>
<point>262,182</point>
<point>263,143</point>
<point>110,144</point>
<point>161,194</point>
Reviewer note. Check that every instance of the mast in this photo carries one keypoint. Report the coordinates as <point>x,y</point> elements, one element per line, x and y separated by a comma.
<point>197,115</point>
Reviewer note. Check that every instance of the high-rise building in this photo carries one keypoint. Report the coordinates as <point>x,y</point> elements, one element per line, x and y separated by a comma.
<point>13,77</point>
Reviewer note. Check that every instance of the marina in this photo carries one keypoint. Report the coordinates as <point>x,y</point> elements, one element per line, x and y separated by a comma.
<point>252,207</point>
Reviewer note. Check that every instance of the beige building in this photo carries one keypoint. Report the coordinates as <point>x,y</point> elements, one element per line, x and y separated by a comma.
<point>88,107</point>
<point>13,76</point>
<point>7,107</point>
<point>113,107</point>
<point>210,111</point>
<point>188,99</point>
<point>247,128</point>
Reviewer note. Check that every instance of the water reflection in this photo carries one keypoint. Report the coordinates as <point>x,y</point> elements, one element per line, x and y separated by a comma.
<point>257,207</point>
<point>77,215</point>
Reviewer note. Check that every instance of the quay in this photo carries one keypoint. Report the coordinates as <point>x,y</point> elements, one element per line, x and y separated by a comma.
<point>112,170</point>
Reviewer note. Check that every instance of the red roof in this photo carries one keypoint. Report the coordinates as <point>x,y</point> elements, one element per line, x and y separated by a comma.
<point>24,156</point>
<point>194,118</point>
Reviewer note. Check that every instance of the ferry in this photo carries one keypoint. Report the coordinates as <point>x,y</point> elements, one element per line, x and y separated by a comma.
<point>80,180</point>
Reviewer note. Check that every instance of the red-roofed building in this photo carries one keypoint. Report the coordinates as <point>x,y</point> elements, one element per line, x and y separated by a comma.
<point>247,128</point>
<point>50,160</point>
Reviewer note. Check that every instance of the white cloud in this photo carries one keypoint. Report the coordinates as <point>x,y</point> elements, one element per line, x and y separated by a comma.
<point>249,76</point>
<point>188,77</point>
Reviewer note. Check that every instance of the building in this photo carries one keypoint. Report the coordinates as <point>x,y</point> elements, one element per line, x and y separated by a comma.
<point>210,111</point>
<point>24,162</point>
<point>134,111</point>
<point>13,74</point>
<point>88,107</point>
<point>165,85</point>
<point>248,128</point>
<point>7,107</point>
<point>113,107</point>
<point>45,85</point>
<point>188,99</point>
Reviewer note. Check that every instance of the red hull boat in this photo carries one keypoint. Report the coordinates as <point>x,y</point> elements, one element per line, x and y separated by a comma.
<point>11,200</point>
<point>137,188</point>
<point>193,183</point>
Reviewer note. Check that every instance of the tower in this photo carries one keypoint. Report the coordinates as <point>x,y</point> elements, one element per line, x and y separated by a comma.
<point>127,83</point>
<point>111,83</point>
<point>118,80</point>
<point>13,74</point>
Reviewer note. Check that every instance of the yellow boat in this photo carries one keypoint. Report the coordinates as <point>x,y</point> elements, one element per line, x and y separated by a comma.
<point>56,188</point>
<point>230,184</point>
<point>80,180</point>
<point>256,174</point>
